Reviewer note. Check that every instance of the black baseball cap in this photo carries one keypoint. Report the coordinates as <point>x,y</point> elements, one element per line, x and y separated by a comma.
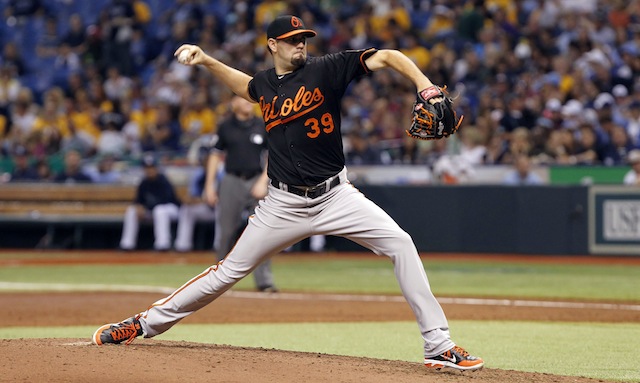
<point>287,26</point>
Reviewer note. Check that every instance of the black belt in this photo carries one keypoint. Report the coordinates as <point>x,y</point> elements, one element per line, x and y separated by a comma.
<point>308,191</point>
<point>246,175</point>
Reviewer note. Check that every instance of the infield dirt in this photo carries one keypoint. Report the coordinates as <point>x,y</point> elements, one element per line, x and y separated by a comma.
<point>148,360</point>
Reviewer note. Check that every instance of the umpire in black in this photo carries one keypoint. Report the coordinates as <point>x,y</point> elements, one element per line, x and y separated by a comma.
<point>241,145</point>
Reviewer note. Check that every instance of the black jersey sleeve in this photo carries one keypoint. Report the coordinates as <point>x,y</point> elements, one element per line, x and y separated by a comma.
<point>345,66</point>
<point>252,90</point>
<point>258,78</point>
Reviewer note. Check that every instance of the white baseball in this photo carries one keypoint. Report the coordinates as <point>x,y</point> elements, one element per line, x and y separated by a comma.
<point>183,56</point>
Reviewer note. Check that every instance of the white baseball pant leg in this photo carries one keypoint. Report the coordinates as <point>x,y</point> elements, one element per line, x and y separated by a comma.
<point>188,216</point>
<point>130,228</point>
<point>162,216</point>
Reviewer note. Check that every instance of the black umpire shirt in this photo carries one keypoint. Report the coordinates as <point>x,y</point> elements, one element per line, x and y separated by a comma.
<point>244,143</point>
<point>301,112</point>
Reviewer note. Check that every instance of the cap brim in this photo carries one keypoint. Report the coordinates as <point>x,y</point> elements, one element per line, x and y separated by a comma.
<point>308,32</point>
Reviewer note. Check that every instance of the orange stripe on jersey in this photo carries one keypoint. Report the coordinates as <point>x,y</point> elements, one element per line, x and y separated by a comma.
<point>273,124</point>
<point>362,59</point>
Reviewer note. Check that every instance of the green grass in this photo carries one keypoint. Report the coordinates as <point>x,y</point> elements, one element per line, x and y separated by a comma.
<point>575,349</point>
<point>580,349</point>
<point>374,275</point>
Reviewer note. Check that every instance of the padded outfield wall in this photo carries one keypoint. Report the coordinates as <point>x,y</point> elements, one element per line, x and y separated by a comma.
<point>552,219</point>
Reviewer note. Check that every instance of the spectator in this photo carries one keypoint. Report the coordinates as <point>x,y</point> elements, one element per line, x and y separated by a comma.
<point>188,12</point>
<point>441,24</point>
<point>550,52</point>
<point>616,152</point>
<point>76,36</point>
<point>470,21</point>
<point>65,63</point>
<point>521,174</point>
<point>140,50</point>
<point>23,114</point>
<point>359,150</point>
<point>116,86</point>
<point>79,140</point>
<point>164,133</point>
<point>118,29</point>
<point>196,119</point>
<point>44,171</point>
<point>194,208</point>
<point>104,171</point>
<point>11,57</point>
<point>155,199</point>
<point>413,49</point>
<point>23,170</point>
<point>9,88</point>
<point>519,143</point>
<point>72,172</point>
<point>131,129</point>
<point>112,141</point>
<point>82,116</point>
<point>50,126</point>
<point>473,149</point>
<point>632,177</point>
<point>586,152</point>
<point>633,122</point>
<point>22,9</point>
<point>48,41</point>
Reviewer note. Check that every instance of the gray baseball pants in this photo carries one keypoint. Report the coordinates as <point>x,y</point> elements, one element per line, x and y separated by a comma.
<point>283,219</point>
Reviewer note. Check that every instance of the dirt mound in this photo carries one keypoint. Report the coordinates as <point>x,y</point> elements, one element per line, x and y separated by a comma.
<point>76,360</point>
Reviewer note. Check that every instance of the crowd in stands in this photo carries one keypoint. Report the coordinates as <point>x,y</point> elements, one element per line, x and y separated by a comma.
<point>555,80</point>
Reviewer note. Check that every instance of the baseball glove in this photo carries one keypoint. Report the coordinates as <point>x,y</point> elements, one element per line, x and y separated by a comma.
<point>433,120</point>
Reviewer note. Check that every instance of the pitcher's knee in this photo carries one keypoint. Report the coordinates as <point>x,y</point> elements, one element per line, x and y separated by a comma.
<point>404,238</point>
<point>399,244</point>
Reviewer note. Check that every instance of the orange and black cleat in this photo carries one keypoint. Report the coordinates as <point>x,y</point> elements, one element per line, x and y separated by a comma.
<point>116,333</point>
<point>457,359</point>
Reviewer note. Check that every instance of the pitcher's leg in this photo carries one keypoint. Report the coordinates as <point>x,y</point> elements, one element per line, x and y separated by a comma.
<point>130,228</point>
<point>360,220</point>
<point>257,242</point>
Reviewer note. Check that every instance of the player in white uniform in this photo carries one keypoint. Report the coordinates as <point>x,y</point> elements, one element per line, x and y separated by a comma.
<point>309,192</point>
<point>155,199</point>
<point>194,208</point>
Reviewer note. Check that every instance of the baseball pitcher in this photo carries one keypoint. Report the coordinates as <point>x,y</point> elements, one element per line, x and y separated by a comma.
<point>309,192</point>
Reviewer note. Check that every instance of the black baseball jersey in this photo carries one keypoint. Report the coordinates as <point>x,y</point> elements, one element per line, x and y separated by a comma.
<point>301,112</point>
<point>244,142</point>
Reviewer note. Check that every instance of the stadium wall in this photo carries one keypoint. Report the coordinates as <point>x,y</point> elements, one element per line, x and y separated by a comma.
<point>442,218</point>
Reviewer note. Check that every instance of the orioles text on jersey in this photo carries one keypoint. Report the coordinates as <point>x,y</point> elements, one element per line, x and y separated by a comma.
<point>304,102</point>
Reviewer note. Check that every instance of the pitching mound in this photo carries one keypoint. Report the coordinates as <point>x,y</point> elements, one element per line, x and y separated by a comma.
<point>76,360</point>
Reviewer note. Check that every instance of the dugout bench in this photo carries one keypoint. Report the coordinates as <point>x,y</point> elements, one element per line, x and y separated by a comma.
<point>46,215</point>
